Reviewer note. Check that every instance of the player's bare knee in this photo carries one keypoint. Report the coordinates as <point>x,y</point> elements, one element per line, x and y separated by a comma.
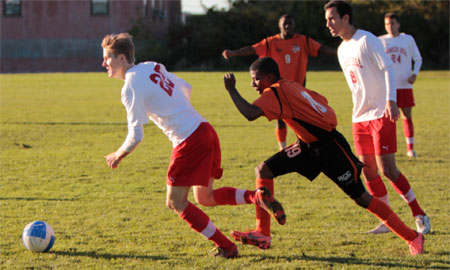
<point>258,169</point>
<point>369,172</point>
<point>176,206</point>
<point>173,205</point>
<point>391,173</point>
<point>363,200</point>
<point>205,201</point>
<point>170,204</point>
<point>263,172</point>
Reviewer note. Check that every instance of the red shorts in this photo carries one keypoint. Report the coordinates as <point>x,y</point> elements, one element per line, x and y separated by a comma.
<point>196,159</point>
<point>377,137</point>
<point>405,98</point>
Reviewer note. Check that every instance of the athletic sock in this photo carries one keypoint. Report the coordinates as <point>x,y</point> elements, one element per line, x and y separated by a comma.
<point>391,220</point>
<point>233,196</point>
<point>200,222</point>
<point>376,188</point>
<point>404,189</point>
<point>281,134</point>
<point>262,217</point>
<point>409,143</point>
<point>408,131</point>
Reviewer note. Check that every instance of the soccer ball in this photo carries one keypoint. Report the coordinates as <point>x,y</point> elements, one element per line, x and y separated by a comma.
<point>38,236</point>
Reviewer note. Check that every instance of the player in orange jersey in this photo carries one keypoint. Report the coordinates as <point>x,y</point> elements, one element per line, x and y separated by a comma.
<point>290,51</point>
<point>319,148</point>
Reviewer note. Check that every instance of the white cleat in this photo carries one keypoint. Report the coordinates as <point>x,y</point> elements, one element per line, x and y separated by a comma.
<point>411,154</point>
<point>381,228</point>
<point>423,224</point>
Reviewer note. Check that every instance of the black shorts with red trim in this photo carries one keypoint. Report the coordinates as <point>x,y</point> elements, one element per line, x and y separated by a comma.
<point>332,156</point>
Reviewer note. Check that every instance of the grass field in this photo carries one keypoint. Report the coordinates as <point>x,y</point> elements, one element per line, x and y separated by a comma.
<point>56,128</point>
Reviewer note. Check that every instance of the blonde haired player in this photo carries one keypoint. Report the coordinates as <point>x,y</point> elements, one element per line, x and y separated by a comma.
<point>370,76</point>
<point>403,50</point>
<point>151,92</point>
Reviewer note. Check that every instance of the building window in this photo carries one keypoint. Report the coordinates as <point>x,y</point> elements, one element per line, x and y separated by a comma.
<point>12,7</point>
<point>99,7</point>
<point>144,2</point>
<point>158,12</point>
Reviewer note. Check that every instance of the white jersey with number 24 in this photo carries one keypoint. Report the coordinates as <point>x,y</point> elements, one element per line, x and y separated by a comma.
<point>402,50</point>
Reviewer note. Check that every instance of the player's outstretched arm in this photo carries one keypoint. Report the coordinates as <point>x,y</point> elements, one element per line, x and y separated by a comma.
<point>327,50</point>
<point>244,51</point>
<point>249,111</point>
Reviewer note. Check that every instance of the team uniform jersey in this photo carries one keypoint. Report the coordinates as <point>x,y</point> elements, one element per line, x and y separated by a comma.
<point>364,63</point>
<point>320,147</point>
<point>150,92</point>
<point>402,51</point>
<point>305,111</point>
<point>291,54</point>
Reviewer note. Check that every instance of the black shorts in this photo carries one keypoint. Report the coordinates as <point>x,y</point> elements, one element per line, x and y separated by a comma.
<point>332,156</point>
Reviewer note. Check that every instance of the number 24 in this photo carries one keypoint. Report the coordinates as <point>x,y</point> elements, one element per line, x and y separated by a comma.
<point>396,59</point>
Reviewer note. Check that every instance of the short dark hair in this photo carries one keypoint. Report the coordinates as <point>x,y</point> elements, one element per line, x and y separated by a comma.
<point>342,7</point>
<point>286,16</point>
<point>392,15</point>
<point>266,65</point>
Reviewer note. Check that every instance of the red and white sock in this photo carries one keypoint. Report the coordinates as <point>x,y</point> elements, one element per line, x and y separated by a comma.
<point>403,188</point>
<point>376,188</point>
<point>408,131</point>
<point>200,222</point>
<point>233,196</point>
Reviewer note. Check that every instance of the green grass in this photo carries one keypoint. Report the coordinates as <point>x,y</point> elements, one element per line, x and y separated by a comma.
<point>117,219</point>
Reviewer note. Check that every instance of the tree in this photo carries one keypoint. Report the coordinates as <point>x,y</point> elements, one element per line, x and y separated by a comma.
<point>198,44</point>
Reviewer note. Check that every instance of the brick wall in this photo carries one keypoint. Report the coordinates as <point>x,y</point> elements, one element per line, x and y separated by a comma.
<point>63,35</point>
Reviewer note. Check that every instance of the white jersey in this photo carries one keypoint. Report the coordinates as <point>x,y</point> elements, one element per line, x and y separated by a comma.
<point>402,50</point>
<point>365,66</point>
<point>151,92</point>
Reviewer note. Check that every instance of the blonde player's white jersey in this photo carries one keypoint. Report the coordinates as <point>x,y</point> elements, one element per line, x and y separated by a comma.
<point>151,92</point>
<point>402,50</point>
<point>364,62</point>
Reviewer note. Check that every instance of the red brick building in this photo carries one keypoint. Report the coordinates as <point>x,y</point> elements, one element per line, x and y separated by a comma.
<point>65,35</point>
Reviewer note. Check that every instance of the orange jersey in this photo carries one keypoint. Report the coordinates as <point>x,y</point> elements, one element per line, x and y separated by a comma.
<point>291,54</point>
<point>305,111</point>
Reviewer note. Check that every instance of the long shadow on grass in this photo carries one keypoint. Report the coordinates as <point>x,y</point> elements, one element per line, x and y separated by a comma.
<point>37,199</point>
<point>108,124</point>
<point>69,123</point>
<point>95,255</point>
<point>356,261</point>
